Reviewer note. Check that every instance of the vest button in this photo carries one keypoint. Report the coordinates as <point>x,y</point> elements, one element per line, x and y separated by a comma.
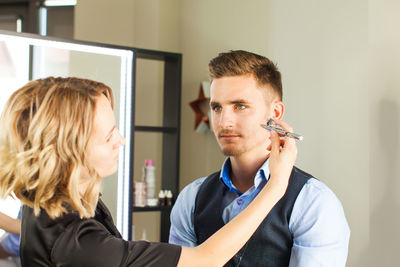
<point>239,201</point>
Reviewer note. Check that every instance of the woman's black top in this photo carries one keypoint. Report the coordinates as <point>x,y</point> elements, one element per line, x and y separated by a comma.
<point>71,241</point>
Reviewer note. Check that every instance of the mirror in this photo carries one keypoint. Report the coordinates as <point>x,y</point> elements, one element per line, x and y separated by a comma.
<point>27,57</point>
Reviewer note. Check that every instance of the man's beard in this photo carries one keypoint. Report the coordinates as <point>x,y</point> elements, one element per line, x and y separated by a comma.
<point>232,151</point>
<point>227,150</point>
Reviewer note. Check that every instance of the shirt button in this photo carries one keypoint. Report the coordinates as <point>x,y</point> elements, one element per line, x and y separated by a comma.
<point>239,201</point>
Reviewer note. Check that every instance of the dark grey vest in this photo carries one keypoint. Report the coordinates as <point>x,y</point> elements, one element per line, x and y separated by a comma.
<point>272,242</point>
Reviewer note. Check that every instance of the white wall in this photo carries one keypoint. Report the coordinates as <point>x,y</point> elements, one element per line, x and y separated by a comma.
<point>101,21</point>
<point>384,143</point>
<point>339,61</point>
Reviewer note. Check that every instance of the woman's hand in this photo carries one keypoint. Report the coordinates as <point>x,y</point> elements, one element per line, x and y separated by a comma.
<point>282,156</point>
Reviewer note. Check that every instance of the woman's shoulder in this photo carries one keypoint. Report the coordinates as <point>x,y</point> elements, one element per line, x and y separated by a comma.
<point>39,233</point>
<point>45,222</point>
<point>80,239</point>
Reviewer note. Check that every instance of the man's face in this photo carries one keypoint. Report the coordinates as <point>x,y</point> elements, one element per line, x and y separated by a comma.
<point>238,107</point>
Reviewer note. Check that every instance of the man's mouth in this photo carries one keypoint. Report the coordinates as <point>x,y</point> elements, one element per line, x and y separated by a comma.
<point>228,135</point>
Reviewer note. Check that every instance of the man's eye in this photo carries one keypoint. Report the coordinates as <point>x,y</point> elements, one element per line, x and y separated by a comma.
<point>217,108</point>
<point>240,107</point>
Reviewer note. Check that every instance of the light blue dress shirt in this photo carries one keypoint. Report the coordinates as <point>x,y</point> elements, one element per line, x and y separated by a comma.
<point>10,242</point>
<point>318,224</point>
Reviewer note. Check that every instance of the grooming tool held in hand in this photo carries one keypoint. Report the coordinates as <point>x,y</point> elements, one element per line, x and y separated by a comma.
<point>270,126</point>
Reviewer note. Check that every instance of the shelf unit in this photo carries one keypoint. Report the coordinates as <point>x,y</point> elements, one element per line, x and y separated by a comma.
<point>170,131</point>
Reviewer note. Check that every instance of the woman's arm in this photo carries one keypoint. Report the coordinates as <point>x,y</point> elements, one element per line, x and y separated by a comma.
<point>9,224</point>
<point>215,251</point>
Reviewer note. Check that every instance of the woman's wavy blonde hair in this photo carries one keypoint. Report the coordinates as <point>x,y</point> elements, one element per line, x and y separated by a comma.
<point>45,130</point>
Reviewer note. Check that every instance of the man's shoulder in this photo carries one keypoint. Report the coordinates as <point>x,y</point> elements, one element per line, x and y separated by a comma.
<point>316,189</point>
<point>313,185</point>
<point>192,188</point>
<point>181,213</point>
<point>315,193</point>
<point>189,192</point>
<point>301,172</point>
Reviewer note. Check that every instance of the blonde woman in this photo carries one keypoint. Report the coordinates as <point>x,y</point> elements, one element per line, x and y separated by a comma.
<point>57,140</point>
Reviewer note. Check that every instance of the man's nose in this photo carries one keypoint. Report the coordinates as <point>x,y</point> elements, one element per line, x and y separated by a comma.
<point>227,119</point>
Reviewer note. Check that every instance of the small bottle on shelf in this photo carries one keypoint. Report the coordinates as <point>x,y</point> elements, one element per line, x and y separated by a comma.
<point>139,194</point>
<point>161,198</point>
<point>150,178</point>
<point>169,198</point>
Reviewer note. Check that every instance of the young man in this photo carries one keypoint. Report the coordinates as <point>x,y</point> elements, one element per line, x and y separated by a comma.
<point>307,227</point>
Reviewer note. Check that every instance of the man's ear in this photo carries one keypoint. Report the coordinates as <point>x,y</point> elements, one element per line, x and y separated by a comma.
<point>277,109</point>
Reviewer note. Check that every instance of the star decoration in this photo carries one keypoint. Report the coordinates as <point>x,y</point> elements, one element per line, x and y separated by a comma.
<point>201,108</point>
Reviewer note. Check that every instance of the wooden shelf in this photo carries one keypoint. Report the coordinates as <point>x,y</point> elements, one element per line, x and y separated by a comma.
<point>157,208</point>
<point>155,129</point>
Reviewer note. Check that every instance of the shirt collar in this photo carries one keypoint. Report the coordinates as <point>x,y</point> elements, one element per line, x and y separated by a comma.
<point>262,174</point>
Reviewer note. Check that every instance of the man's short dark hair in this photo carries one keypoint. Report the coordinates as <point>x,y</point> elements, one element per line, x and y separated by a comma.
<point>239,62</point>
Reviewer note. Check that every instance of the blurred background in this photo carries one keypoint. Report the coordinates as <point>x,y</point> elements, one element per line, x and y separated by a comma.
<point>340,63</point>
